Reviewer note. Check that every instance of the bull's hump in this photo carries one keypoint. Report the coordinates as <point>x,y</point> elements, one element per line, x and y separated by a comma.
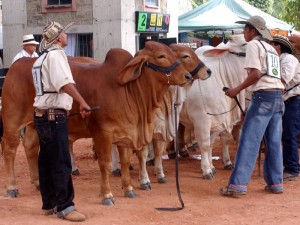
<point>118,56</point>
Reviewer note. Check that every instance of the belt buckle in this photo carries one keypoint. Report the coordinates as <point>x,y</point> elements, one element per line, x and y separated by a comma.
<point>38,114</point>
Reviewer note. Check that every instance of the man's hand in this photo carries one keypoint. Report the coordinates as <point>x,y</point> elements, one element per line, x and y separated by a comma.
<point>232,92</point>
<point>85,110</point>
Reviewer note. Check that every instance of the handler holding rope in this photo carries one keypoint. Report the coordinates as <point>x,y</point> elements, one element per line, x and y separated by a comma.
<point>55,91</point>
<point>264,116</point>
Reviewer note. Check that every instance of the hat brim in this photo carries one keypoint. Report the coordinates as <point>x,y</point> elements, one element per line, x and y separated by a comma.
<point>285,43</point>
<point>265,33</point>
<point>45,44</point>
<point>30,43</point>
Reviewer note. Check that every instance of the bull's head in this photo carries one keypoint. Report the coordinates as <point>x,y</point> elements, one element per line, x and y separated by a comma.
<point>191,61</point>
<point>236,45</point>
<point>161,61</point>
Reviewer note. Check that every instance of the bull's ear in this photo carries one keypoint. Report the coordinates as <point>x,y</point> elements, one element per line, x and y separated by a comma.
<point>132,70</point>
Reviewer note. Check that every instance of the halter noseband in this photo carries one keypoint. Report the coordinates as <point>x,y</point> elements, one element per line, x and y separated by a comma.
<point>195,71</point>
<point>166,70</point>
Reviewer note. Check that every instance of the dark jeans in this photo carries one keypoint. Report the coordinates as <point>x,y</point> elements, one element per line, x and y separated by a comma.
<point>291,129</point>
<point>54,163</point>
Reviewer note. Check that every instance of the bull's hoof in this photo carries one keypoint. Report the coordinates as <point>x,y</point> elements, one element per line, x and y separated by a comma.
<point>209,176</point>
<point>95,157</point>
<point>130,194</point>
<point>214,171</point>
<point>193,148</point>
<point>184,154</point>
<point>229,167</point>
<point>38,187</point>
<point>172,155</point>
<point>76,172</point>
<point>162,180</point>
<point>108,201</point>
<point>150,162</point>
<point>146,186</point>
<point>116,173</point>
<point>13,193</point>
<point>131,167</point>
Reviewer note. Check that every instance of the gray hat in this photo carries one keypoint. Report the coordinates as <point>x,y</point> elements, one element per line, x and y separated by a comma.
<point>50,34</point>
<point>260,25</point>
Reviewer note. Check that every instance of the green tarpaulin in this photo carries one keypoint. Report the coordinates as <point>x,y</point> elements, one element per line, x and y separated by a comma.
<point>222,14</point>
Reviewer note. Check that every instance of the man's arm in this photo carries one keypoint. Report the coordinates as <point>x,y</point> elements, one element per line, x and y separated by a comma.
<point>71,90</point>
<point>253,77</point>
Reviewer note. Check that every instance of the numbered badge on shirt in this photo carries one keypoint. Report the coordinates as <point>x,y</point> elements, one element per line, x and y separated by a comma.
<point>273,64</point>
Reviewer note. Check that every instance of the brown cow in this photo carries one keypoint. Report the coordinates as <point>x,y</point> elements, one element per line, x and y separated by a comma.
<point>295,40</point>
<point>128,89</point>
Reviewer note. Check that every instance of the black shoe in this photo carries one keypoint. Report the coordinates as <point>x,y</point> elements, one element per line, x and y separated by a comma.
<point>227,191</point>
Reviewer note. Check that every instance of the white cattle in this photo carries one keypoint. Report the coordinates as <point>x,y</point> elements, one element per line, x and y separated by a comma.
<point>207,110</point>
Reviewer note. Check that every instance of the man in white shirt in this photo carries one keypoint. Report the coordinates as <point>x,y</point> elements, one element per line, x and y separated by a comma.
<point>29,48</point>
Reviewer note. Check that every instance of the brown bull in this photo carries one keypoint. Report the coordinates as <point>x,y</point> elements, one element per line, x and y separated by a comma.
<point>295,40</point>
<point>128,89</point>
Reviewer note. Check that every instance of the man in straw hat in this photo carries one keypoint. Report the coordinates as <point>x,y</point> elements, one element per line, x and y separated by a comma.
<point>54,97</point>
<point>264,116</point>
<point>290,74</point>
<point>29,48</point>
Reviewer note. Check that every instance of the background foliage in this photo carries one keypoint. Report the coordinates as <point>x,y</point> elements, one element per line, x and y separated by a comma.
<point>286,10</point>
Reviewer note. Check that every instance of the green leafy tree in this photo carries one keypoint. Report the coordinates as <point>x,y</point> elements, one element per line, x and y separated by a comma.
<point>264,5</point>
<point>288,10</point>
<point>196,3</point>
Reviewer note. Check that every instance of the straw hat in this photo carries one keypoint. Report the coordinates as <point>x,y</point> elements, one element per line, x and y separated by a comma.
<point>28,39</point>
<point>259,24</point>
<point>50,34</point>
<point>284,41</point>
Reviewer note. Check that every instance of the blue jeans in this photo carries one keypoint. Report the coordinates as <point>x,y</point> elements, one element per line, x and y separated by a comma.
<point>291,130</point>
<point>263,120</point>
<point>54,164</point>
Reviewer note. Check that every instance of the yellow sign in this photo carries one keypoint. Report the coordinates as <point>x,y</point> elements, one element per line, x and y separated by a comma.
<point>153,20</point>
<point>159,20</point>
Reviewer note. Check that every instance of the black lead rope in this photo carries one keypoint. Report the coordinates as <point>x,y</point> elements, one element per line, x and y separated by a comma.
<point>90,110</point>
<point>176,169</point>
<point>236,101</point>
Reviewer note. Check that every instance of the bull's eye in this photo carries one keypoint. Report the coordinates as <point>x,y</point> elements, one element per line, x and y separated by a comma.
<point>186,56</point>
<point>161,57</point>
<point>244,44</point>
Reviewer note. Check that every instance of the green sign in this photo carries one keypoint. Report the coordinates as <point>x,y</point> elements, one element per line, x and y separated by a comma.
<point>152,22</point>
<point>142,20</point>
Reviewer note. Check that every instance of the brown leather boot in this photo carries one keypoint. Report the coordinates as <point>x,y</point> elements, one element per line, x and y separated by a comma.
<point>74,216</point>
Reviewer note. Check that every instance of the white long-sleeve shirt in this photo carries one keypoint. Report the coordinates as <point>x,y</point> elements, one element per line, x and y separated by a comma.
<point>290,73</point>
<point>22,54</point>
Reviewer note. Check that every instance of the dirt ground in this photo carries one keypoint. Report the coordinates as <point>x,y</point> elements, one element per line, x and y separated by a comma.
<point>202,202</point>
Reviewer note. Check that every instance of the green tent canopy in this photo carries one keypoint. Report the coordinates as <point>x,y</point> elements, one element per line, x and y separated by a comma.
<point>222,15</point>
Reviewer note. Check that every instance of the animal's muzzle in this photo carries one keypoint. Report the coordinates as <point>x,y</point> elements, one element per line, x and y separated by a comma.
<point>209,72</point>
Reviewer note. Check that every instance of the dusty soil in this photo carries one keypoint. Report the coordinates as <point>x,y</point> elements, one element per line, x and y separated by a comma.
<point>203,204</point>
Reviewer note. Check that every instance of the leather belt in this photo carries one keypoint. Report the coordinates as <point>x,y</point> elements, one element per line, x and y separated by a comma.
<point>271,89</point>
<point>42,112</point>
